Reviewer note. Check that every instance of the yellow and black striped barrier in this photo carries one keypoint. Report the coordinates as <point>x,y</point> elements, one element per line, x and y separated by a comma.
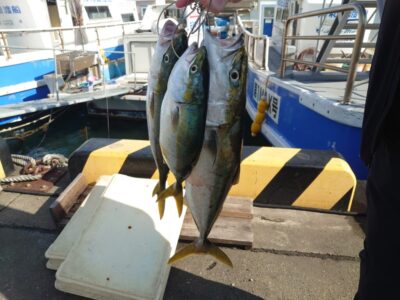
<point>6,164</point>
<point>270,176</point>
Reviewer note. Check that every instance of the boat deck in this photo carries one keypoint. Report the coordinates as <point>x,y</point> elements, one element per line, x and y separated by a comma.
<point>327,86</point>
<point>122,86</point>
<point>13,110</point>
<point>334,90</point>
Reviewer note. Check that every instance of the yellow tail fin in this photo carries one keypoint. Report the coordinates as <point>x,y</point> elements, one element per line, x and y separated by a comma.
<point>205,248</point>
<point>161,208</point>
<point>174,190</point>
<point>157,189</point>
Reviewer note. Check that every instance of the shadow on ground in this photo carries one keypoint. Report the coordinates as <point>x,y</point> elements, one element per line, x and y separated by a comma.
<point>184,285</point>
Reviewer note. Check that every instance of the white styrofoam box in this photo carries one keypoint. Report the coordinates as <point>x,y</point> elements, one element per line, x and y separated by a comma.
<point>58,251</point>
<point>123,252</point>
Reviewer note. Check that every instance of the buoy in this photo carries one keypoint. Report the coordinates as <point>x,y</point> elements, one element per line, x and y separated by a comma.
<point>260,116</point>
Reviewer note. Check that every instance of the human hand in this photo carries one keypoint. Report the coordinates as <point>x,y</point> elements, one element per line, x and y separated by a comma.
<point>215,5</point>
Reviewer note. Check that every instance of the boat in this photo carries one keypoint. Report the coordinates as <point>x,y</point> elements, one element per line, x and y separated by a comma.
<point>61,53</point>
<point>313,73</point>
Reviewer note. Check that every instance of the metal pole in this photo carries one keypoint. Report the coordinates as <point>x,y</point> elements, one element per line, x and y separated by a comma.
<point>283,50</point>
<point>355,56</point>
<point>55,75</point>
<point>264,62</point>
<point>5,44</point>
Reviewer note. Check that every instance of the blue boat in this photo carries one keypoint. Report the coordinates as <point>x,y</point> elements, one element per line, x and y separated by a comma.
<point>314,82</point>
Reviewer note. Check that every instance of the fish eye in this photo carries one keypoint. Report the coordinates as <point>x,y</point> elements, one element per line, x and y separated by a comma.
<point>193,69</point>
<point>234,75</point>
<point>166,58</point>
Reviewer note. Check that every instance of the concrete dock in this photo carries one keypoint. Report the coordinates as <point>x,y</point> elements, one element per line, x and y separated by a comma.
<point>296,255</point>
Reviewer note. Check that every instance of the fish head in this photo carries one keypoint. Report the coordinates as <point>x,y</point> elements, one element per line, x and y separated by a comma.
<point>176,47</point>
<point>238,72</point>
<point>195,67</point>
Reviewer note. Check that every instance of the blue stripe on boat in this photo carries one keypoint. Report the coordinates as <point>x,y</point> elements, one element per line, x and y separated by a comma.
<point>28,95</point>
<point>25,72</point>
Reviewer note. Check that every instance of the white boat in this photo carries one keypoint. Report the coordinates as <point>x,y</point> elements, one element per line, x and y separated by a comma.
<point>313,72</point>
<point>79,42</point>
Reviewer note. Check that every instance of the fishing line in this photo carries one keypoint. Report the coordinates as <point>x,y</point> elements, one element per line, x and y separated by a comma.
<point>194,6</point>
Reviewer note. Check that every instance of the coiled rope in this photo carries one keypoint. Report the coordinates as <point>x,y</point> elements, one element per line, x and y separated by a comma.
<point>53,160</point>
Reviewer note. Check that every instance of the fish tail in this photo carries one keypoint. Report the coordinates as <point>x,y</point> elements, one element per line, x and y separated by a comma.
<point>203,248</point>
<point>161,208</point>
<point>174,190</point>
<point>157,189</point>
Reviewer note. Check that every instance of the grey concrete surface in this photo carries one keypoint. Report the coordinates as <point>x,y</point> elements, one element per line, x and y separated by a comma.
<point>6,199</point>
<point>296,255</point>
<point>260,275</point>
<point>28,211</point>
<point>307,232</point>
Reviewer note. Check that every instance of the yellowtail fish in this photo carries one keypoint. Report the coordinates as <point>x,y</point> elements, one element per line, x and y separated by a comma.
<point>219,162</point>
<point>163,60</point>
<point>183,117</point>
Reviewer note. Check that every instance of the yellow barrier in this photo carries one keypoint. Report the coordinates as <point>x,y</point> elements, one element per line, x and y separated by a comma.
<point>270,176</point>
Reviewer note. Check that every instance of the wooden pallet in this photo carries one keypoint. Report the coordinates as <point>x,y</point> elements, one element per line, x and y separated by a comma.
<point>233,226</point>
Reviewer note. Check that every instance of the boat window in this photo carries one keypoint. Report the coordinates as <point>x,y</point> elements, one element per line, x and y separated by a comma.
<point>127,17</point>
<point>98,12</point>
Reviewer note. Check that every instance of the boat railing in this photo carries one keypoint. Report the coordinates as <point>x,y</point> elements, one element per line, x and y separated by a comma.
<point>55,87</point>
<point>256,45</point>
<point>59,33</point>
<point>323,61</point>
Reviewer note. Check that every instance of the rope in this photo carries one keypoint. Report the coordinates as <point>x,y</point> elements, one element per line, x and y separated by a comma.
<point>22,160</point>
<point>55,160</point>
<point>20,178</point>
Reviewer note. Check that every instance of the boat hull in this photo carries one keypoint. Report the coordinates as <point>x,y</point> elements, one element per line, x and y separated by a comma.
<point>290,123</point>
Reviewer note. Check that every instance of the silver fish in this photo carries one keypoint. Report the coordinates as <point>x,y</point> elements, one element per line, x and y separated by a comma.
<point>183,117</point>
<point>163,60</point>
<point>219,162</point>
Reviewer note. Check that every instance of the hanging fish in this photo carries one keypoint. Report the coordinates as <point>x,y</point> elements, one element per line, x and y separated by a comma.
<point>183,117</point>
<point>163,60</point>
<point>218,165</point>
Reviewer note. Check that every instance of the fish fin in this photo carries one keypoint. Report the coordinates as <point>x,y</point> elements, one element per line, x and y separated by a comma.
<point>161,208</point>
<point>220,255</point>
<point>156,189</point>
<point>178,197</point>
<point>237,176</point>
<point>182,253</point>
<point>175,117</point>
<point>208,248</point>
<point>175,191</point>
<point>168,192</point>
<point>152,105</point>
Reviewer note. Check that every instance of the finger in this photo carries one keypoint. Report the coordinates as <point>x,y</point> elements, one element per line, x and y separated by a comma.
<point>183,3</point>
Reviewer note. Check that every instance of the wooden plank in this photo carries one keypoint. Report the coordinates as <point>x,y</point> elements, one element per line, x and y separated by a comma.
<point>233,226</point>
<point>61,206</point>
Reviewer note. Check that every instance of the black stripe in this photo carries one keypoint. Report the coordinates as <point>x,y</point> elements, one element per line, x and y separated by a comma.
<point>139,164</point>
<point>79,157</point>
<point>249,150</point>
<point>295,177</point>
<point>343,203</point>
<point>5,158</point>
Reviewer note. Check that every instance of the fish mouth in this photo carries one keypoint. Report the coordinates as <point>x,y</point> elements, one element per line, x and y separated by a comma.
<point>169,29</point>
